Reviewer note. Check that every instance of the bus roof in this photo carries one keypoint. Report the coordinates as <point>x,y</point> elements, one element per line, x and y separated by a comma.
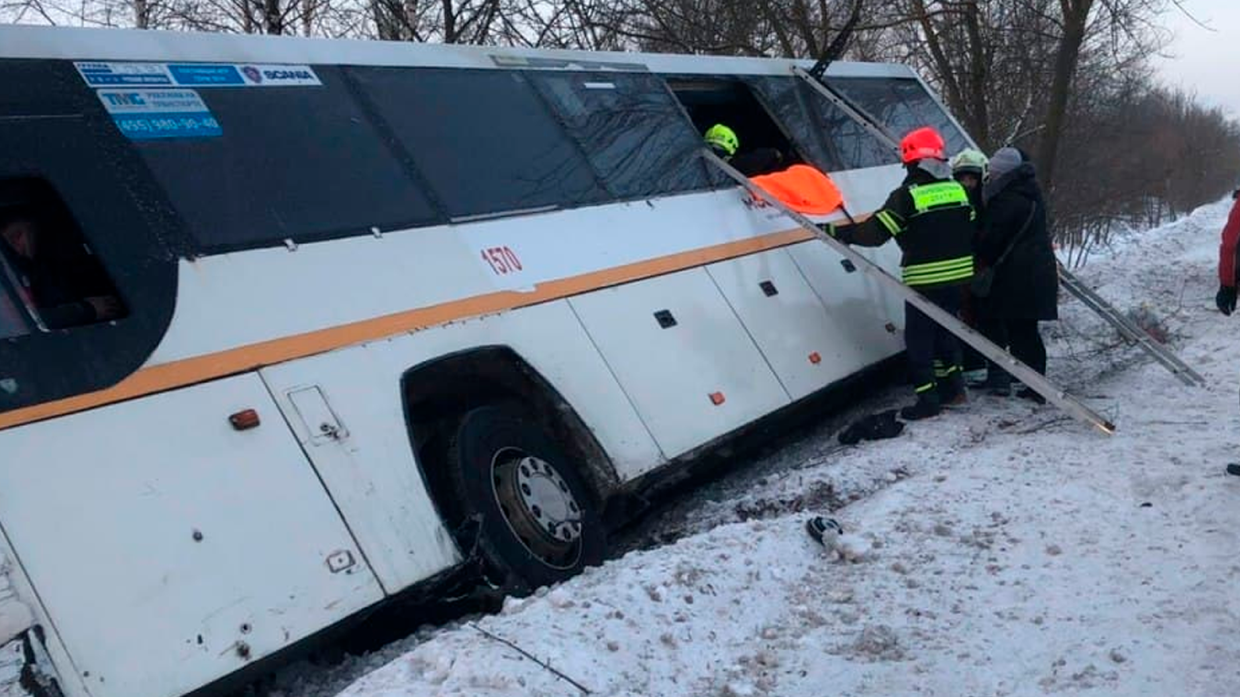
<point>26,41</point>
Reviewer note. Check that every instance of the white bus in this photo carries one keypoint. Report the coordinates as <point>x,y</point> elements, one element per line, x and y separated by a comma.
<point>289,326</point>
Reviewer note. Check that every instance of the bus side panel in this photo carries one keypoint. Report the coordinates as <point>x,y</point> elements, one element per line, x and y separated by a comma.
<point>371,471</point>
<point>866,317</point>
<point>683,357</point>
<point>155,520</point>
<point>807,347</point>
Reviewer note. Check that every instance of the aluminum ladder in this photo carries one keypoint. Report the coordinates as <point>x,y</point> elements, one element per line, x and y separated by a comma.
<point>1031,378</point>
<point>1131,333</point>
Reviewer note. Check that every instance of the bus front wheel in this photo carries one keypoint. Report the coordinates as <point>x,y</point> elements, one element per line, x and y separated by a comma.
<point>534,515</point>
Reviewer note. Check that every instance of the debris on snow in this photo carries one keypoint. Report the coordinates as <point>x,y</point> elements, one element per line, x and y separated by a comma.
<point>879,642</point>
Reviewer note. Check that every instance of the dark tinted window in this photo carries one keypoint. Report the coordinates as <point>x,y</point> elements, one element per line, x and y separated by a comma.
<point>901,104</point>
<point>833,140</point>
<point>631,129</point>
<point>57,279</point>
<point>484,139</point>
<point>293,162</point>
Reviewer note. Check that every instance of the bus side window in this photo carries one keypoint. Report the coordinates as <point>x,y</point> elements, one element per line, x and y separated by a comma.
<point>630,128</point>
<point>901,104</point>
<point>49,271</point>
<point>833,139</point>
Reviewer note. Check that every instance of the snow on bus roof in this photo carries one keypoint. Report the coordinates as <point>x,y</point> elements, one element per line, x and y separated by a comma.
<point>18,41</point>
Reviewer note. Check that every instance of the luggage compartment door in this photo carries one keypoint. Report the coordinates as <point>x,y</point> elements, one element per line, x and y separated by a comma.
<point>804,345</point>
<point>168,547</point>
<point>868,317</point>
<point>682,356</point>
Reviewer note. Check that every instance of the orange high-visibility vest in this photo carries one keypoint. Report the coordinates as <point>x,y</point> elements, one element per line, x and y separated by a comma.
<point>802,188</point>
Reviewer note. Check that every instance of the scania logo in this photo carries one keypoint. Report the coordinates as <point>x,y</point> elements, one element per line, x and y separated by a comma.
<point>288,75</point>
<point>252,74</point>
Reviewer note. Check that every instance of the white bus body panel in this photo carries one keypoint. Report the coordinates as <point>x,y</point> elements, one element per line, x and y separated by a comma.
<point>861,312</point>
<point>345,409</point>
<point>789,326</point>
<point>105,507</point>
<point>329,284</point>
<point>371,471</point>
<point>670,374</point>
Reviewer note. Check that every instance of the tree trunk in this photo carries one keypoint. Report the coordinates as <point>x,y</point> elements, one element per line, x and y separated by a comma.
<point>141,14</point>
<point>979,79</point>
<point>1075,17</point>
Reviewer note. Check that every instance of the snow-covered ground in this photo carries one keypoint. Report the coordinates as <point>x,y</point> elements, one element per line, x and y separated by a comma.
<point>1005,550</point>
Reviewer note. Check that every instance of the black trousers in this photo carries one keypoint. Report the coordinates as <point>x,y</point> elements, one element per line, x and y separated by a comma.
<point>928,343</point>
<point>1020,337</point>
<point>1025,343</point>
<point>993,329</point>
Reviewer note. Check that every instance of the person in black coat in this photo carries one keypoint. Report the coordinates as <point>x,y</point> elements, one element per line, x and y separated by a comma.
<point>1026,282</point>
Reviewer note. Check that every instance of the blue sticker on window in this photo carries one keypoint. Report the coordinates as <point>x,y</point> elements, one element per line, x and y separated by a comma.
<point>155,114</point>
<point>205,75</point>
<point>119,74</point>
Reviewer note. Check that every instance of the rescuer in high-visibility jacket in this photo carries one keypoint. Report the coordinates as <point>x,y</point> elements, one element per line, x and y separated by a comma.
<point>930,217</point>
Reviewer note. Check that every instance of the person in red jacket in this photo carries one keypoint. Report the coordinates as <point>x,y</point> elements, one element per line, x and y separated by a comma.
<point>1227,265</point>
<point>1226,297</point>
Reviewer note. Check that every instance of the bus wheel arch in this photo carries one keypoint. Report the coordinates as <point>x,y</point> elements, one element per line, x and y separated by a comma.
<point>464,394</point>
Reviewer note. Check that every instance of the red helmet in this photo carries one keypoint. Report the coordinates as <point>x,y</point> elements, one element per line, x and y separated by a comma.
<point>921,144</point>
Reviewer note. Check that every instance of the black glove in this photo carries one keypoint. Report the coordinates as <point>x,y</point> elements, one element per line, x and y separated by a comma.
<point>1226,299</point>
<point>842,234</point>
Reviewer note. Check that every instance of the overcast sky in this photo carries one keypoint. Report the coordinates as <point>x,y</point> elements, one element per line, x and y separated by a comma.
<point>1203,60</point>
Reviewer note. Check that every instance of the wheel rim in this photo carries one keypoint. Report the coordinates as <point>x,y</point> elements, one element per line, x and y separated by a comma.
<point>538,506</point>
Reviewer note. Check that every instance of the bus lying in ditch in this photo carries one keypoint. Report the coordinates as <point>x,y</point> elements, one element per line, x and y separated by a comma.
<point>289,327</point>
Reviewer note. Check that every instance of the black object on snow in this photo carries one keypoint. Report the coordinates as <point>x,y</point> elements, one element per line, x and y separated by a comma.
<point>819,527</point>
<point>1234,469</point>
<point>873,427</point>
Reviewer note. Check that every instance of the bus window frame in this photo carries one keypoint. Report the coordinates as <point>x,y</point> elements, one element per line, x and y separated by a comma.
<point>676,110</point>
<point>9,288</point>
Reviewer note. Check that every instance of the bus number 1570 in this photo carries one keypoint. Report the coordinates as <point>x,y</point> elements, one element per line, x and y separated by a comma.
<point>502,260</point>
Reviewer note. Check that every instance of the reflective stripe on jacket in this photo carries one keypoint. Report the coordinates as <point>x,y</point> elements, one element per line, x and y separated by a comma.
<point>933,222</point>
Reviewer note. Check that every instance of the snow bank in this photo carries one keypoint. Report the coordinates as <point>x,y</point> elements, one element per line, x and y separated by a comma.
<point>1008,551</point>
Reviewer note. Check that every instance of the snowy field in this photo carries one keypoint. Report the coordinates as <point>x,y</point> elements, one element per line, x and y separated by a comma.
<point>1001,549</point>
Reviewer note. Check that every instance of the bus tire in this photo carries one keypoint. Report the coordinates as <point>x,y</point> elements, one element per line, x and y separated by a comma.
<point>534,515</point>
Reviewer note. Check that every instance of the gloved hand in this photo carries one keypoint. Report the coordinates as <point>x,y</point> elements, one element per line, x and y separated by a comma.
<point>1226,299</point>
<point>842,234</point>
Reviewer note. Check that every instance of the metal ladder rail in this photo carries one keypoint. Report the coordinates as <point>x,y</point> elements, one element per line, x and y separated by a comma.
<point>1022,372</point>
<point>877,129</point>
<point>1132,333</point>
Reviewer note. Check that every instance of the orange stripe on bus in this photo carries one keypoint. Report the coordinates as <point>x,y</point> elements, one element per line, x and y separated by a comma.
<point>167,376</point>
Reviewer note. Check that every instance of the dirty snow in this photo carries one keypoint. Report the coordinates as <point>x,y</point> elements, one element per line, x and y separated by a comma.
<point>997,550</point>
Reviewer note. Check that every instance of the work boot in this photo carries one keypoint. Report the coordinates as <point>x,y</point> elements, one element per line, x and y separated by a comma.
<point>952,391</point>
<point>927,405</point>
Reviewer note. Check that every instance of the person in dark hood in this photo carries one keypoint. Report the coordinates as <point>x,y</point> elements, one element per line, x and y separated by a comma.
<point>1016,244</point>
<point>930,218</point>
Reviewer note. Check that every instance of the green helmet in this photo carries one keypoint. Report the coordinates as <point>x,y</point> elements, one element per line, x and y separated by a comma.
<point>971,162</point>
<point>724,138</point>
